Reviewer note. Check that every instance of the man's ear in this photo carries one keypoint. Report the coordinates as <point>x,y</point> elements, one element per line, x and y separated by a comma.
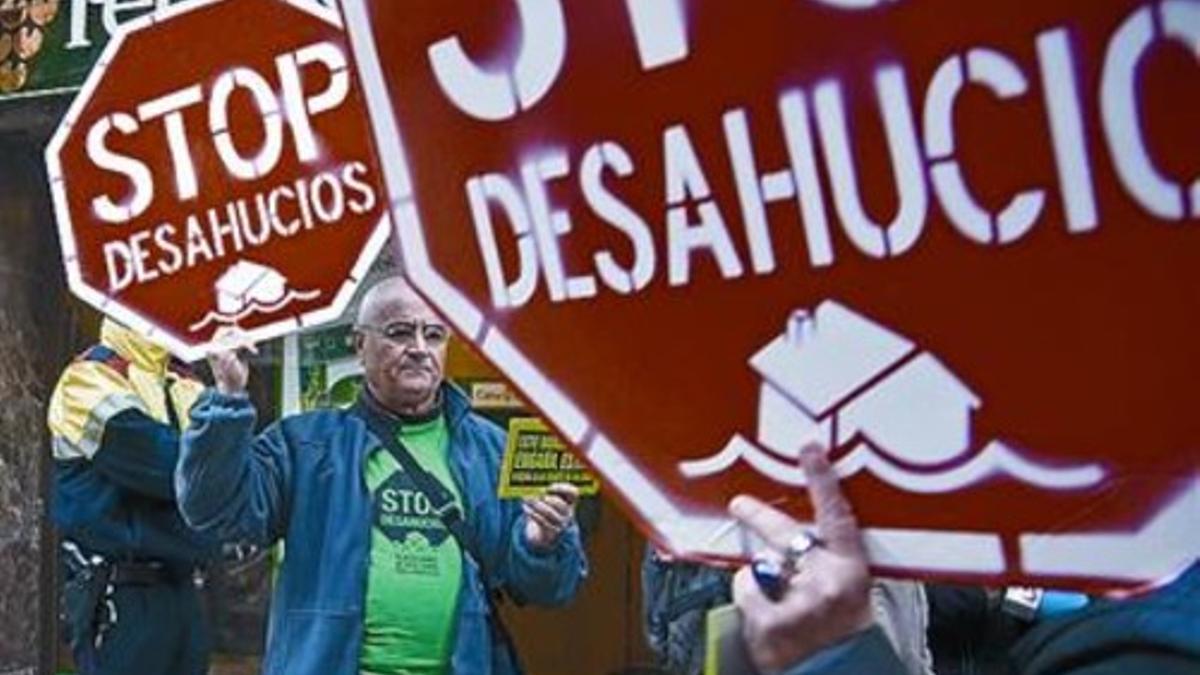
<point>358,343</point>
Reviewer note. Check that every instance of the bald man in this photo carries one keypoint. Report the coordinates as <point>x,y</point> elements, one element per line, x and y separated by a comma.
<point>396,539</point>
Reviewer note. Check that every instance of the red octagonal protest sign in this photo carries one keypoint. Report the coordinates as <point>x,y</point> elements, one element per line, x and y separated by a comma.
<point>954,242</point>
<point>216,170</point>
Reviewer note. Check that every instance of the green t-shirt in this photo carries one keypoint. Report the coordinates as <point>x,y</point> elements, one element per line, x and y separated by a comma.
<point>416,567</point>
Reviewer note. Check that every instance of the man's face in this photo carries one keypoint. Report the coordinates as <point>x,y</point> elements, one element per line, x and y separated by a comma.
<point>402,347</point>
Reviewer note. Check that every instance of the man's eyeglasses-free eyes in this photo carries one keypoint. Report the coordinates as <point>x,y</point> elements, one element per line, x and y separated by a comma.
<point>405,332</point>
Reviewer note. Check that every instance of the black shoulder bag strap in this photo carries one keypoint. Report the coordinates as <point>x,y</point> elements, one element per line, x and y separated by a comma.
<point>443,504</point>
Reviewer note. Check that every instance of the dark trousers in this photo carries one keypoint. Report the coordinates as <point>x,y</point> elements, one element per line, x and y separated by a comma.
<point>159,630</point>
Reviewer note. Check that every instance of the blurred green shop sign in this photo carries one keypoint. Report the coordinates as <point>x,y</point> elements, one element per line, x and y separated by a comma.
<point>48,46</point>
<point>330,374</point>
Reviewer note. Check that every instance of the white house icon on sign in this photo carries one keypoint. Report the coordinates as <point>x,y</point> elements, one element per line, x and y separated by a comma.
<point>246,288</point>
<point>855,377</point>
<point>880,404</point>
<point>247,282</point>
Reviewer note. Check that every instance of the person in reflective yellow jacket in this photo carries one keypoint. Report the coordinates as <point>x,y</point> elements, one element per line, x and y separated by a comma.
<point>115,417</point>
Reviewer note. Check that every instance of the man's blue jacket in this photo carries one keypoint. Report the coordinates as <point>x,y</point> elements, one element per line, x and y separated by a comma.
<point>302,480</point>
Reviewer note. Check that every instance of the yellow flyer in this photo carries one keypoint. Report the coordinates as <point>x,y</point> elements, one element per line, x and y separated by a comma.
<point>535,458</point>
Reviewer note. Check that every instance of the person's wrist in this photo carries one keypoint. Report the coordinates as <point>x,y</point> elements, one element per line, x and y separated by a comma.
<point>545,545</point>
<point>232,391</point>
<point>858,616</point>
<point>805,649</point>
<point>846,615</point>
<point>812,660</point>
<point>864,621</point>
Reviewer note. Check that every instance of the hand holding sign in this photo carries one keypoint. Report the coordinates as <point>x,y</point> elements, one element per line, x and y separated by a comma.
<point>229,369</point>
<point>828,597</point>
<point>546,517</point>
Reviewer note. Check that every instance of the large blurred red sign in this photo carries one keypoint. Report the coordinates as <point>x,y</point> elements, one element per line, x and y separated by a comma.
<point>956,242</point>
<point>216,170</point>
